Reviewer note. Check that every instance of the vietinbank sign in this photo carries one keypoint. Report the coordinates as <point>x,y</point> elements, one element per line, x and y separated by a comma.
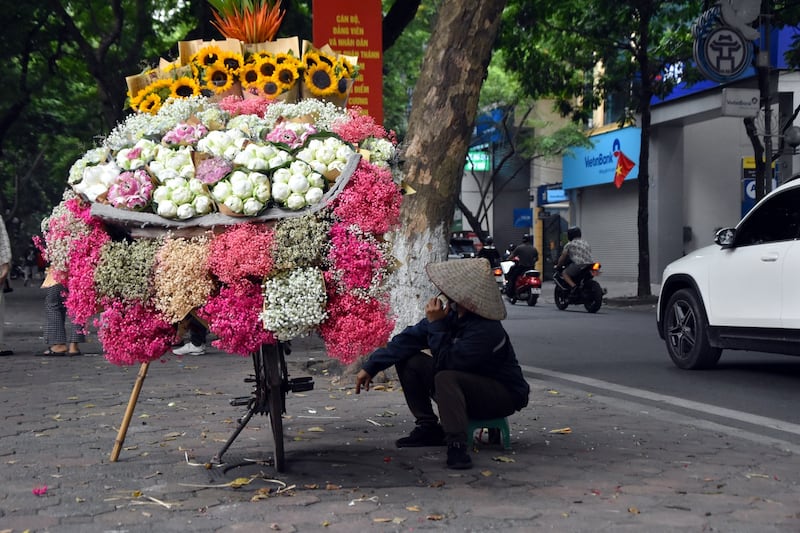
<point>598,165</point>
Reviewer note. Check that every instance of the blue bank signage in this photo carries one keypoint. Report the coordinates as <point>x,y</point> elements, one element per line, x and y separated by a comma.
<point>523,217</point>
<point>597,165</point>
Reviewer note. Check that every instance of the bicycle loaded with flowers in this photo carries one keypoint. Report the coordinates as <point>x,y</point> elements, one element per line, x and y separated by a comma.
<point>263,216</point>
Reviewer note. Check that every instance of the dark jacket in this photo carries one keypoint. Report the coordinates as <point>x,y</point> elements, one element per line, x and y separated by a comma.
<point>470,344</point>
<point>528,255</point>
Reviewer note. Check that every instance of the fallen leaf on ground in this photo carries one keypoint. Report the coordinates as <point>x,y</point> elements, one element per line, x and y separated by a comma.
<point>413,508</point>
<point>379,387</point>
<point>435,517</point>
<point>503,459</point>
<point>551,391</point>
<point>562,431</point>
<point>331,486</point>
<point>486,473</point>
<point>316,429</point>
<point>437,484</point>
<point>330,408</point>
<point>752,475</point>
<point>633,510</point>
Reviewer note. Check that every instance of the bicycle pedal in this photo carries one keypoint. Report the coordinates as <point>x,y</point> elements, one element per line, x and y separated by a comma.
<point>302,384</point>
<point>241,400</point>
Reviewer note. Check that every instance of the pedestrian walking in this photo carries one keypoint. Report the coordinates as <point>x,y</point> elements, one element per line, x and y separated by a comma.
<point>5,270</point>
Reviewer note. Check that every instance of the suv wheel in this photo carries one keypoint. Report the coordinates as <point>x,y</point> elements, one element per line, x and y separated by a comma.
<point>686,332</point>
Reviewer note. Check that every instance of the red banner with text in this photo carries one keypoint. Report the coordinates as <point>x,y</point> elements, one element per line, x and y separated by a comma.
<point>353,28</point>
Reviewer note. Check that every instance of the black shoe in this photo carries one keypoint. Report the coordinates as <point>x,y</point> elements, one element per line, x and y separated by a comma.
<point>457,456</point>
<point>422,436</point>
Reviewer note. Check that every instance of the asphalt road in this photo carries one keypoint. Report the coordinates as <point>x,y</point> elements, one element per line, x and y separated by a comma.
<point>618,351</point>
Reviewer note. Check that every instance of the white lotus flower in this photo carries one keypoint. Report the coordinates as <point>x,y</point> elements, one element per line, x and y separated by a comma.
<point>221,191</point>
<point>295,201</point>
<point>167,209</point>
<point>161,194</point>
<point>298,184</point>
<point>261,192</point>
<point>313,195</point>
<point>185,211</point>
<point>280,191</point>
<point>97,180</point>
<point>252,206</point>
<point>202,204</point>
<point>234,203</point>
<point>281,175</point>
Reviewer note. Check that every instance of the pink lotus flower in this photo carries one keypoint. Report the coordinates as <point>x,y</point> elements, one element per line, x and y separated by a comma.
<point>133,190</point>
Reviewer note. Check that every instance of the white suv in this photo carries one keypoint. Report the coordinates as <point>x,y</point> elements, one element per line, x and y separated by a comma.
<point>742,293</point>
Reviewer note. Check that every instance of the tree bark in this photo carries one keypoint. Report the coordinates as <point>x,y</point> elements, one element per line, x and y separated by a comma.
<point>443,112</point>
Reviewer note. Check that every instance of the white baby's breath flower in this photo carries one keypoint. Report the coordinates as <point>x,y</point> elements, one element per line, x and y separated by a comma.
<point>294,303</point>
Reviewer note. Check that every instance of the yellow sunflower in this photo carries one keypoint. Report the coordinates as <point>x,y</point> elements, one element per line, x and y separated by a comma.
<point>270,87</point>
<point>231,60</point>
<point>150,104</point>
<point>249,75</point>
<point>218,78</point>
<point>320,79</point>
<point>184,87</point>
<point>266,67</point>
<point>206,56</point>
<point>286,75</point>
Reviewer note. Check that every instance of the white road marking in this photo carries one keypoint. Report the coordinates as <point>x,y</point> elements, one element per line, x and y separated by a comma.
<point>731,414</point>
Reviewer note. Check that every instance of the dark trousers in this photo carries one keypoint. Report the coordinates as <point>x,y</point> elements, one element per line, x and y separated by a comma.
<point>459,396</point>
<point>58,328</point>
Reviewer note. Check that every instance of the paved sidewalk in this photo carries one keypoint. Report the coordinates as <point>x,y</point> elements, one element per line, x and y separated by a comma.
<point>580,462</point>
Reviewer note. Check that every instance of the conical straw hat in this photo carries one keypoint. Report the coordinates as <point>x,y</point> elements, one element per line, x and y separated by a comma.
<point>469,283</point>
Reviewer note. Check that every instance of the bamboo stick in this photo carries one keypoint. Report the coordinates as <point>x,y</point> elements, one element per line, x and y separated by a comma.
<point>126,420</point>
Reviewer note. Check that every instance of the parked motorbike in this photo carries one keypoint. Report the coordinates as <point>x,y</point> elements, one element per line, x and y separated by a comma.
<point>528,286</point>
<point>587,292</point>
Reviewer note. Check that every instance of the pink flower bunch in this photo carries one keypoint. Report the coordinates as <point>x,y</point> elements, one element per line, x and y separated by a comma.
<point>242,251</point>
<point>357,261</point>
<point>212,169</point>
<point>233,315</point>
<point>235,105</point>
<point>184,134</point>
<point>81,300</point>
<point>358,126</point>
<point>293,134</point>
<point>132,332</point>
<point>355,326</point>
<point>132,190</point>
<point>371,200</point>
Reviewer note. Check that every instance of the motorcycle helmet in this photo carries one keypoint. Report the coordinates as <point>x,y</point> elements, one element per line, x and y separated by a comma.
<point>526,238</point>
<point>489,241</point>
<point>574,233</point>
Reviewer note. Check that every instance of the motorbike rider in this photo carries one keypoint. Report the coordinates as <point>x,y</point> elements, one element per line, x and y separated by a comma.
<point>490,253</point>
<point>578,252</point>
<point>525,257</point>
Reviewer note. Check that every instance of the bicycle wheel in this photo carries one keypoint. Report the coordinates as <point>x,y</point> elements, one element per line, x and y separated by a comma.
<point>276,372</point>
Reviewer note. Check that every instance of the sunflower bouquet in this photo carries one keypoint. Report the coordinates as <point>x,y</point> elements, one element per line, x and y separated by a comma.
<point>147,92</point>
<point>327,75</point>
<point>216,70</point>
<point>272,76</point>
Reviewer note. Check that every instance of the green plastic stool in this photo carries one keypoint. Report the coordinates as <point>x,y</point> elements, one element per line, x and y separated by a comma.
<point>498,423</point>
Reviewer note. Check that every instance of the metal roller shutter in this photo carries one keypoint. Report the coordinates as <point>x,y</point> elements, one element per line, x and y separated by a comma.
<point>608,221</point>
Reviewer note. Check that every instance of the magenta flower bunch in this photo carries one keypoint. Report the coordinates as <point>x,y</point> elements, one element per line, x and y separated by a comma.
<point>81,300</point>
<point>371,200</point>
<point>133,332</point>
<point>355,326</point>
<point>357,126</point>
<point>242,252</point>
<point>356,260</point>
<point>232,315</point>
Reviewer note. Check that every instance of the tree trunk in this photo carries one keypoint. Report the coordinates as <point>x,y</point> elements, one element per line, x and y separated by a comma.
<point>646,94</point>
<point>443,112</point>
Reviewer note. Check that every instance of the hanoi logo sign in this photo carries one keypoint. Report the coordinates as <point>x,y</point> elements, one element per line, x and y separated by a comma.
<point>722,53</point>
